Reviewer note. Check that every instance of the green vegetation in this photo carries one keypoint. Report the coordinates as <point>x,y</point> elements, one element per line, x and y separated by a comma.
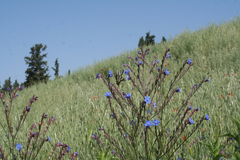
<point>79,106</point>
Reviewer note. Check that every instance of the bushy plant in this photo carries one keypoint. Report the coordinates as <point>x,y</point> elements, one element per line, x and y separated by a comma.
<point>14,148</point>
<point>143,131</point>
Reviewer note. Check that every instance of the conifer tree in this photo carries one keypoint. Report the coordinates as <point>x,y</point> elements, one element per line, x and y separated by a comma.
<point>69,72</point>
<point>141,42</point>
<point>37,68</point>
<point>7,84</point>
<point>15,84</point>
<point>163,39</point>
<point>149,40</point>
<point>56,69</point>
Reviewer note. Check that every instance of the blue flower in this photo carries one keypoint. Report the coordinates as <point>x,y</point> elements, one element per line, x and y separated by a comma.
<point>127,95</point>
<point>148,123</point>
<point>76,153</point>
<point>112,115</point>
<point>195,85</point>
<point>232,138</point>
<point>126,135</point>
<point>100,128</point>
<point>147,52</point>
<point>16,94</point>
<point>8,88</point>
<point>68,149</point>
<point>127,78</point>
<point>112,152</point>
<point>136,58</point>
<point>159,68</point>
<point>19,146</point>
<point>149,112</point>
<point>166,71</point>
<point>220,158</point>
<point>49,139</point>
<point>207,80</point>
<point>139,62</point>
<point>189,61</point>
<point>207,117</point>
<point>132,122</point>
<point>108,94</point>
<point>97,75</point>
<point>157,61</point>
<point>202,136</point>
<point>191,121</point>
<point>22,87</point>
<point>168,55</point>
<point>139,52</point>
<point>179,158</point>
<point>168,129</point>
<point>126,71</point>
<point>198,109</point>
<point>147,99</point>
<point>93,136</point>
<point>190,107</point>
<point>124,65</point>
<point>178,90</point>
<point>155,105</point>
<point>110,73</point>
<point>155,122</point>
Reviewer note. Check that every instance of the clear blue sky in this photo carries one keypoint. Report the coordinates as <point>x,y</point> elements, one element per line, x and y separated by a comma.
<point>79,32</point>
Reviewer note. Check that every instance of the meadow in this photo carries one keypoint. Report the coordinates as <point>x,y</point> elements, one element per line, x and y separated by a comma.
<point>79,106</point>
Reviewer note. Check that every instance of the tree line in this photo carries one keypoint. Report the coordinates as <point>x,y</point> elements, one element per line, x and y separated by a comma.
<point>37,70</point>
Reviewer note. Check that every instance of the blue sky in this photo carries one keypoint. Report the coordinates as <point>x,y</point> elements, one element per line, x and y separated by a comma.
<point>79,32</point>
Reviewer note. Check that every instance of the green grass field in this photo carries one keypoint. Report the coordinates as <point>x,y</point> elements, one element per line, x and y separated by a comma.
<point>80,107</point>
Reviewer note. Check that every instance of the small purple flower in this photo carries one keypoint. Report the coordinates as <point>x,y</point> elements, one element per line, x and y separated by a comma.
<point>113,115</point>
<point>179,158</point>
<point>49,139</point>
<point>168,129</point>
<point>110,73</point>
<point>68,149</point>
<point>93,136</point>
<point>19,146</point>
<point>155,105</point>
<point>148,123</point>
<point>207,117</point>
<point>195,85</point>
<point>108,94</point>
<point>17,95</point>
<point>198,109</point>
<point>149,112</point>
<point>126,135</point>
<point>127,95</point>
<point>8,88</point>
<point>190,107</point>
<point>178,90</point>
<point>147,99</point>
<point>166,71</point>
<point>76,153</point>
<point>28,108</point>
<point>22,87</point>
<point>189,61</point>
<point>97,75</point>
<point>147,52</point>
<point>127,78</point>
<point>139,52</point>
<point>100,128</point>
<point>168,55</point>
<point>159,68</point>
<point>132,122</point>
<point>126,71</point>
<point>136,58</point>
<point>139,62</point>
<point>155,122</point>
<point>191,121</point>
<point>232,138</point>
<point>157,61</point>
<point>124,65</point>
<point>207,80</point>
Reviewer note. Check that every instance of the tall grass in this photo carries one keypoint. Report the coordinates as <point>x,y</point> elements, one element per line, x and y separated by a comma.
<point>79,106</point>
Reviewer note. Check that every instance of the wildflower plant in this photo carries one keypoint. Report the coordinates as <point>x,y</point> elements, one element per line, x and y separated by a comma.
<point>149,137</point>
<point>37,136</point>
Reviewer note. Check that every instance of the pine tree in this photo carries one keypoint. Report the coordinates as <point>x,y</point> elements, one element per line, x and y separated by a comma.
<point>37,68</point>
<point>15,84</point>
<point>69,72</point>
<point>7,84</point>
<point>56,69</point>
<point>141,42</point>
<point>149,40</point>
<point>163,39</point>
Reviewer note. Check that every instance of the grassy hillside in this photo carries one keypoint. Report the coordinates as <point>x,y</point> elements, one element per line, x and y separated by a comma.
<point>214,50</point>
